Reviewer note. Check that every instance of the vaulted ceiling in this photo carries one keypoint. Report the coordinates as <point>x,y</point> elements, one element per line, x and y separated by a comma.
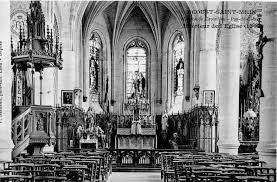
<point>155,13</point>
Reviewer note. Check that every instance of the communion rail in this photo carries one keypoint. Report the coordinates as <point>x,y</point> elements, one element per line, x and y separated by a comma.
<point>128,159</point>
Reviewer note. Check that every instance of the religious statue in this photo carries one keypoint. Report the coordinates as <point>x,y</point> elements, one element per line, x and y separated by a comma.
<point>93,74</point>
<point>96,75</point>
<point>174,141</point>
<point>164,121</point>
<point>195,98</point>
<point>142,85</point>
<point>136,82</point>
<point>261,42</point>
<point>179,77</point>
<point>80,131</point>
<point>40,122</point>
<point>250,127</point>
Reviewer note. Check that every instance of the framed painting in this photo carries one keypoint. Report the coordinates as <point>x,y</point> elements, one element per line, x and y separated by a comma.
<point>208,97</point>
<point>67,97</point>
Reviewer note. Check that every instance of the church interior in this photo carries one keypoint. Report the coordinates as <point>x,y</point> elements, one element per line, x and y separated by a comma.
<point>167,90</point>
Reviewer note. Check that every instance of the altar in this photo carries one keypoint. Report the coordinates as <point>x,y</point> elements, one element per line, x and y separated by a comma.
<point>136,128</point>
<point>88,143</point>
<point>129,137</point>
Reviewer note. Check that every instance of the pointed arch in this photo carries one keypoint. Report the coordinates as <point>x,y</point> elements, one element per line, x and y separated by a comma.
<point>130,75</point>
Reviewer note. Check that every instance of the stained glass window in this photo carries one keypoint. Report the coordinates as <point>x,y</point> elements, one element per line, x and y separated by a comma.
<point>94,53</point>
<point>178,58</point>
<point>136,70</point>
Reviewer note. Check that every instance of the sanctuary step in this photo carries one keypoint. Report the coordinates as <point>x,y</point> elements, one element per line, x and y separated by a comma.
<point>136,169</point>
<point>135,177</point>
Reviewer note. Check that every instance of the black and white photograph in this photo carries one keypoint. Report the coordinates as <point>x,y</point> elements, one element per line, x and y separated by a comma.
<point>138,91</point>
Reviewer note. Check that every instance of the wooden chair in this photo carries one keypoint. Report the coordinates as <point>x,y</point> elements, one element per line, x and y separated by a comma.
<point>205,175</point>
<point>75,172</point>
<point>270,176</point>
<point>92,168</point>
<point>16,178</point>
<point>62,161</point>
<point>45,169</point>
<point>169,172</point>
<point>183,172</point>
<point>101,171</point>
<point>21,168</point>
<point>251,178</point>
<point>49,179</point>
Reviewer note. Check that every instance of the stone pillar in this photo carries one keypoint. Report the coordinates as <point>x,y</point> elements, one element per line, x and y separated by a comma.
<point>67,74</point>
<point>207,75</point>
<point>268,106</point>
<point>6,144</point>
<point>228,86</point>
<point>207,71</point>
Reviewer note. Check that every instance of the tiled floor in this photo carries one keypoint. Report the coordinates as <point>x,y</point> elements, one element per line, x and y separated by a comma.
<point>135,177</point>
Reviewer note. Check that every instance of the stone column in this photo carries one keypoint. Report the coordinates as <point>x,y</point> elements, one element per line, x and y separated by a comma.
<point>67,74</point>
<point>268,106</point>
<point>228,86</point>
<point>6,144</point>
<point>207,75</point>
<point>207,72</point>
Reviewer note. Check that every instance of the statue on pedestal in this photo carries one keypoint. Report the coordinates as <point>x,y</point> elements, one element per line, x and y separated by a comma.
<point>179,77</point>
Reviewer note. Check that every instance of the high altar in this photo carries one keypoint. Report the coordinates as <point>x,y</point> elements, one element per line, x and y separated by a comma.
<point>139,134</point>
<point>138,130</point>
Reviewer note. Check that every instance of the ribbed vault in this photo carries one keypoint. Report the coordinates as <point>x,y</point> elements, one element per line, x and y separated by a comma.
<point>117,13</point>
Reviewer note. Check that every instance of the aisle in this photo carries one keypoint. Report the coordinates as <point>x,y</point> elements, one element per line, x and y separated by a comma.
<point>135,177</point>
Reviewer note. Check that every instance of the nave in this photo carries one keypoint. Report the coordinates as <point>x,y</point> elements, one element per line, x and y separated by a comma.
<point>93,90</point>
<point>104,166</point>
